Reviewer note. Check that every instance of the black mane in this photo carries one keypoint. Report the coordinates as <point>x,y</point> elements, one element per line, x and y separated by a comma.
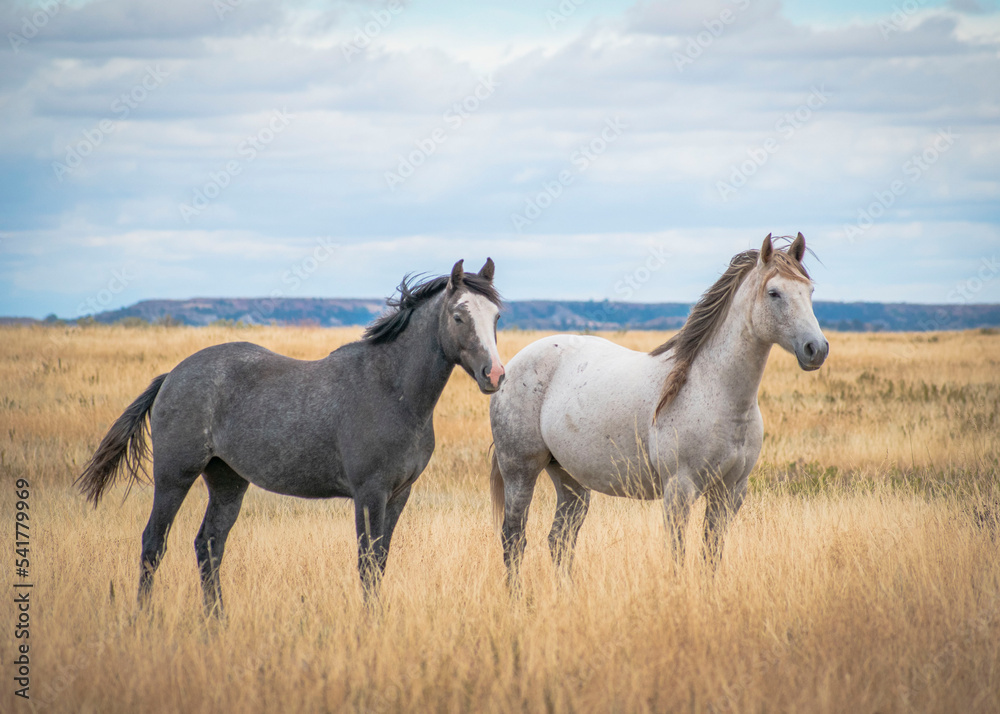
<point>392,324</point>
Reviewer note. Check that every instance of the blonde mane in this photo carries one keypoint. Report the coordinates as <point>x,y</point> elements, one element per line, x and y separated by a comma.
<point>711,310</point>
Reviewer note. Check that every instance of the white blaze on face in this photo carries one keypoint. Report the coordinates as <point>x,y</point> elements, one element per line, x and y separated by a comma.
<point>484,315</point>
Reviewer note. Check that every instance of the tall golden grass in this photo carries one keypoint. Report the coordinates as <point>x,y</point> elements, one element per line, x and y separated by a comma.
<point>863,573</point>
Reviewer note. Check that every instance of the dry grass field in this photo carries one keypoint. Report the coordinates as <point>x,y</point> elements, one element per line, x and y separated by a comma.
<point>862,575</point>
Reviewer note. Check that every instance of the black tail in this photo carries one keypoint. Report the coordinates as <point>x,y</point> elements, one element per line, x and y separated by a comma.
<point>124,447</point>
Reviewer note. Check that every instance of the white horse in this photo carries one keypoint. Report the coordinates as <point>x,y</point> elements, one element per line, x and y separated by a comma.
<point>680,421</point>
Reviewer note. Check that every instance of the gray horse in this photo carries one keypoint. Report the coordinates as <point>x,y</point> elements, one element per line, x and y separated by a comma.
<point>356,424</point>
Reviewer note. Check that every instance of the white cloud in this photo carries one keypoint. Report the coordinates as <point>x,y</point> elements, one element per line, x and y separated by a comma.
<point>688,126</point>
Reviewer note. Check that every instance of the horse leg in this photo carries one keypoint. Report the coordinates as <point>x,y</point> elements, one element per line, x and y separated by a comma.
<point>723,501</point>
<point>393,508</point>
<point>171,487</point>
<point>226,489</point>
<point>678,494</point>
<point>369,520</point>
<point>571,508</point>
<point>518,488</point>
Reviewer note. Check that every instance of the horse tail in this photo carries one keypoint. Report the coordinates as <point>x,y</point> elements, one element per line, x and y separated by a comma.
<point>123,448</point>
<point>496,490</point>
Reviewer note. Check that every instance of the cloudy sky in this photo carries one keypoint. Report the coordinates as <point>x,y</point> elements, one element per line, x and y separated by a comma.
<point>612,149</point>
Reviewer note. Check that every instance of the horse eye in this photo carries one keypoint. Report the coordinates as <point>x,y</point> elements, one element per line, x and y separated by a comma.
<point>774,293</point>
<point>458,318</point>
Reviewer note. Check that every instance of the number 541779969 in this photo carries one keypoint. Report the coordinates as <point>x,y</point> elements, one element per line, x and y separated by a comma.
<point>21,527</point>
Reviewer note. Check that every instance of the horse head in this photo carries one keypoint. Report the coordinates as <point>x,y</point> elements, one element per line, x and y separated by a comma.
<point>783,311</point>
<point>469,325</point>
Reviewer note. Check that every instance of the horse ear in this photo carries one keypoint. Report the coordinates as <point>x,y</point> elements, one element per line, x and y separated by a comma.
<point>457,276</point>
<point>766,251</point>
<point>798,249</point>
<point>487,270</point>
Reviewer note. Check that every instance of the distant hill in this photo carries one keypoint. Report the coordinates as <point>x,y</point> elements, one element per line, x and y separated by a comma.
<point>326,312</point>
<point>539,314</point>
<point>904,317</point>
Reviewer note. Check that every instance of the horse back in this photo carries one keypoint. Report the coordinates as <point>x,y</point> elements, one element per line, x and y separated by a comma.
<point>588,401</point>
<point>284,424</point>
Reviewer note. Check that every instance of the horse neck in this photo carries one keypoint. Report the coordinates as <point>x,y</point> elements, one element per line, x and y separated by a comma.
<point>418,364</point>
<point>734,358</point>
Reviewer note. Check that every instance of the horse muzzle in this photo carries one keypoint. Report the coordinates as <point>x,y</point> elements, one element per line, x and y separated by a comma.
<point>812,354</point>
<point>490,378</point>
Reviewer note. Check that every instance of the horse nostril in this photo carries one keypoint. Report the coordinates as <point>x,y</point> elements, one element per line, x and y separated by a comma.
<point>810,350</point>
